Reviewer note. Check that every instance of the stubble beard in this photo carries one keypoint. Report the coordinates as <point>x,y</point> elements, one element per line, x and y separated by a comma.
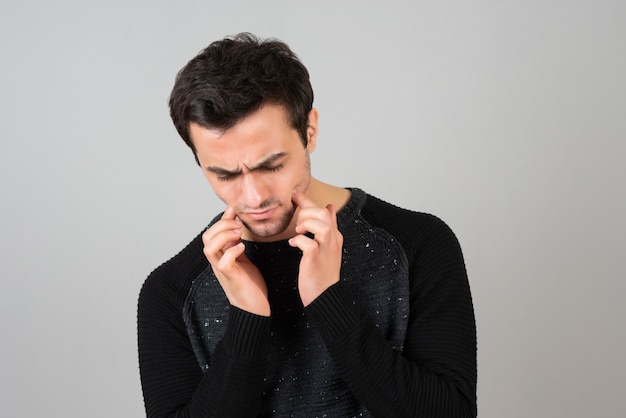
<point>271,227</point>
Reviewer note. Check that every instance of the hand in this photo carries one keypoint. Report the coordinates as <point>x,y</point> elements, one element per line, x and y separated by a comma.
<point>321,255</point>
<point>240,279</point>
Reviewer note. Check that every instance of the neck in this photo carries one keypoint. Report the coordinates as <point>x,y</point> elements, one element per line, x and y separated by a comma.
<point>324,194</point>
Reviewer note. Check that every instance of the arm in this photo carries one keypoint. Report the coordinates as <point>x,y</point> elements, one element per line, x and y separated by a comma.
<point>173,383</point>
<point>435,374</point>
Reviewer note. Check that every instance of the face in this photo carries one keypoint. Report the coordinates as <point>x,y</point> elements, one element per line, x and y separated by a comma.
<point>255,166</point>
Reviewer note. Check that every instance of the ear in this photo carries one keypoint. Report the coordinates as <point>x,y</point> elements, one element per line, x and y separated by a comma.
<point>311,130</point>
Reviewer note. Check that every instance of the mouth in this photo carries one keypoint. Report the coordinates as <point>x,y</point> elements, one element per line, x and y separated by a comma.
<point>260,215</point>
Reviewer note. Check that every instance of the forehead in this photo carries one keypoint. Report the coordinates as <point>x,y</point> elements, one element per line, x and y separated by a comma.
<point>263,132</point>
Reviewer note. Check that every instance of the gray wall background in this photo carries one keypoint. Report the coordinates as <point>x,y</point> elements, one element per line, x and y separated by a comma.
<point>504,118</point>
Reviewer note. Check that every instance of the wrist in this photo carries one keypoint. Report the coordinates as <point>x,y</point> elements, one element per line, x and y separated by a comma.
<point>333,313</point>
<point>247,334</point>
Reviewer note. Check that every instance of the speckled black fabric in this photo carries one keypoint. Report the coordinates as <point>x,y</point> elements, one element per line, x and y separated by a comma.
<point>301,377</point>
<point>395,338</point>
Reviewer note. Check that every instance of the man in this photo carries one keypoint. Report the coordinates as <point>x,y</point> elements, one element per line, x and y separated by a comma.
<point>301,299</point>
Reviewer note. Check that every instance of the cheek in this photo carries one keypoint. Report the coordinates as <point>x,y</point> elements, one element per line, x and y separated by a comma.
<point>223,190</point>
<point>285,182</point>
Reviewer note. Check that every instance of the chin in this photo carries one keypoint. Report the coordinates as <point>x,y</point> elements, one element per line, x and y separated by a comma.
<point>271,228</point>
<point>265,231</point>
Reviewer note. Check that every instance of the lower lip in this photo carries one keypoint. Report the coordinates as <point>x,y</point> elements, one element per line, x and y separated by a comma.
<point>260,216</point>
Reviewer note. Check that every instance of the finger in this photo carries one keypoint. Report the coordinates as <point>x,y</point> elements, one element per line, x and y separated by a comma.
<point>230,256</point>
<point>313,225</point>
<point>306,218</point>
<point>228,220</point>
<point>221,236</point>
<point>301,200</point>
<point>304,243</point>
<point>229,213</point>
<point>222,230</point>
<point>315,220</point>
<point>333,214</point>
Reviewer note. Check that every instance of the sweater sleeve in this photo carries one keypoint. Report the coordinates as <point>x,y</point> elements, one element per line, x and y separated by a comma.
<point>172,381</point>
<point>435,374</point>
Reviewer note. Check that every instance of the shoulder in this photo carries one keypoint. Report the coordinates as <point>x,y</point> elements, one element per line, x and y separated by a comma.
<point>429,243</point>
<point>172,279</point>
<point>410,227</point>
<point>436,262</point>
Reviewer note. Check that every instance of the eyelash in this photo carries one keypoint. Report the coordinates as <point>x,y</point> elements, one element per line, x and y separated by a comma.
<point>275,168</point>
<point>269,169</point>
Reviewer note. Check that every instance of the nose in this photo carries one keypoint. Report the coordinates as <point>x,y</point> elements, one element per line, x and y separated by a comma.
<point>253,190</point>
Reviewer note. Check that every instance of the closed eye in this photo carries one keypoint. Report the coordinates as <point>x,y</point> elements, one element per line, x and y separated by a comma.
<point>225,177</point>
<point>274,168</point>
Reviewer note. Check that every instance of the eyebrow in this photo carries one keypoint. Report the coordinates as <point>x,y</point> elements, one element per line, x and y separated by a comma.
<point>265,163</point>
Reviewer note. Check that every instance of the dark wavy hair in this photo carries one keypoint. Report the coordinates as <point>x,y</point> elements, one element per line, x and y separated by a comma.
<point>234,77</point>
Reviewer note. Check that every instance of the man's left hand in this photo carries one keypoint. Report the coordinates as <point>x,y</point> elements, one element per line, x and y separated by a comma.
<point>321,255</point>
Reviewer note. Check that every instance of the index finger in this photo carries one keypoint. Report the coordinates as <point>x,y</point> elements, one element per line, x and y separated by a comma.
<point>229,213</point>
<point>301,200</point>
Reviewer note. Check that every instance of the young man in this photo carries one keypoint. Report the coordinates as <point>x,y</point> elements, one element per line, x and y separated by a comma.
<point>301,299</point>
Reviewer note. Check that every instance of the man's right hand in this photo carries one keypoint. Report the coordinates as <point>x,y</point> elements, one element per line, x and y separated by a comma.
<point>242,282</point>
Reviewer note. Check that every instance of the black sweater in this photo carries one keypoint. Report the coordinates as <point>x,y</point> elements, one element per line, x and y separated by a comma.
<point>395,337</point>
